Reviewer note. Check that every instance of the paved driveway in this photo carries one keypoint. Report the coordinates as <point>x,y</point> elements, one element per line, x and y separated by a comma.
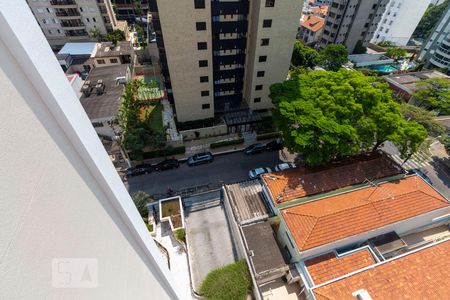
<point>209,240</point>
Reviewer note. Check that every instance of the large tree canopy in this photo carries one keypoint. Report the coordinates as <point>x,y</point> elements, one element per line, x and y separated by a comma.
<point>325,115</point>
<point>333,56</point>
<point>434,94</point>
<point>304,56</point>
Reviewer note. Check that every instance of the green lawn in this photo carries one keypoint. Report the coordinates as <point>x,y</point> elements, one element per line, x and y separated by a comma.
<point>154,113</point>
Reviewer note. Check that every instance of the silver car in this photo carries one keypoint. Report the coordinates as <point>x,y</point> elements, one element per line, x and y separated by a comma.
<point>255,173</point>
<point>284,166</point>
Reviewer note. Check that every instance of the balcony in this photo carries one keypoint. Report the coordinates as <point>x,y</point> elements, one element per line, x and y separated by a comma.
<point>77,33</point>
<point>232,86</point>
<point>230,27</point>
<point>229,8</point>
<point>229,60</point>
<point>64,3</point>
<point>224,74</point>
<point>229,44</point>
<point>72,25</point>
<point>69,13</point>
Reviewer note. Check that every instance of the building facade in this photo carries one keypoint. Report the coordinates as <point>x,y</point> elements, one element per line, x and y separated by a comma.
<point>399,21</point>
<point>311,29</point>
<point>219,56</point>
<point>65,21</point>
<point>351,21</point>
<point>436,51</point>
<point>91,242</point>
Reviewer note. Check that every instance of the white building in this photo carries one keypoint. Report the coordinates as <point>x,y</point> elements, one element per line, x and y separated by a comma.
<point>67,221</point>
<point>399,21</point>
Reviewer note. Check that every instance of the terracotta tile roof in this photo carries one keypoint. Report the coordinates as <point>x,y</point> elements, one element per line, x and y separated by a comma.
<point>313,23</point>
<point>424,274</point>
<point>326,267</point>
<point>319,10</point>
<point>301,182</point>
<point>337,217</point>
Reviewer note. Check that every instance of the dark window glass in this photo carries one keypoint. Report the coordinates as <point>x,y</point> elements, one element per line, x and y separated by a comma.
<point>205,93</point>
<point>202,63</point>
<point>200,26</point>
<point>202,46</point>
<point>258,87</point>
<point>270,3</point>
<point>257,100</point>
<point>260,74</point>
<point>267,23</point>
<point>203,78</point>
<point>205,106</point>
<point>262,58</point>
<point>199,4</point>
<point>264,42</point>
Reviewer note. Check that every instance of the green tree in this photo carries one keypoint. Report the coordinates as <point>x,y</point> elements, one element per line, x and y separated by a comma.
<point>434,93</point>
<point>423,117</point>
<point>115,36</point>
<point>304,56</point>
<point>429,20</point>
<point>334,56</point>
<point>396,53</point>
<point>359,48</point>
<point>95,33</point>
<point>327,115</point>
<point>408,138</point>
<point>387,44</point>
<point>141,199</point>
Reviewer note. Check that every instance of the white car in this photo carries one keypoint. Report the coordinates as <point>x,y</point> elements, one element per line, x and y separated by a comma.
<point>284,166</point>
<point>258,171</point>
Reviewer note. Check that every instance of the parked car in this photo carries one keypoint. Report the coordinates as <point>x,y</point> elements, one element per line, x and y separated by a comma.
<point>139,170</point>
<point>284,166</point>
<point>200,158</point>
<point>421,174</point>
<point>255,148</point>
<point>255,173</point>
<point>167,164</point>
<point>274,146</point>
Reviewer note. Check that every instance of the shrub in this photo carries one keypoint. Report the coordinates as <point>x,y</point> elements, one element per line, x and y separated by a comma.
<point>266,136</point>
<point>159,153</point>
<point>226,143</point>
<point>228,282</point>
<point>149,227</point>
<point>180,234</point>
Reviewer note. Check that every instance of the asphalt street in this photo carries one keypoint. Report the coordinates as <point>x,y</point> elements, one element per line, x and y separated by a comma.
<point>226,169</point>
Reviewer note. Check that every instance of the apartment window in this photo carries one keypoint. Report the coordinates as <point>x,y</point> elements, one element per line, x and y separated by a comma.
<point>49,31</point>
<point>200,26</point>
<point>288,253</point>
<point>203,78</point>
<point>87,20</point>
<point>265,42</point>
<point>205,106</point>
<point>202,63</point>
<point>374,6</point>
<point>113,60</point>
<point>81,9</point>
<point>258,87</point>
<point>366,25</point>
<point>202,46</point>
<point>262,58</point>
<point>260,74</point>
<point>204,93</point>
<point>199,4</point>
<point>270,3</point>
<point>101,61</point>
<point>390,23</point>
<point>48,10</point>
<point>257,100</point>
<point>94,20</point>
<point>267,23</point>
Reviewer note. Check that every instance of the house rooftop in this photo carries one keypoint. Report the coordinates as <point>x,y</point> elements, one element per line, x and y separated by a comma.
<point>263,249</point>
<point>423,274</point>
<point>301,182</point>
<point>330,265</point>
<point>105,106</point>
<point>108,49</point>
<point>341,216</point>
<point>77,48</point>
<point>246,201</point>
<point>408,81</point>
<point>313,23</point>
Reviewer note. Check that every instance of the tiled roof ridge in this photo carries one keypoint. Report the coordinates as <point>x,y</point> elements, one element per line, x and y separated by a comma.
<point>322,295</point>
<point>287,211</point>
<point>310,232</point>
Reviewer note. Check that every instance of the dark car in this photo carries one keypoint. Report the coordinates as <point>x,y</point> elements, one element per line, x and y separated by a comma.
<point>139,170</point>
<point>255,148</point>
<point>167,164</point>
<point>421,174</point>
<point>274,146</point>
<point>200,158</point>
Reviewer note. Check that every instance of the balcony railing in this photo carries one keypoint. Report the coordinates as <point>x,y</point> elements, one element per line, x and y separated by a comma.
<point>67,13</point>
<point>238,59</point>
<point>76,33</point>
<point>230,27</point>
<point>67,24</point>
<point>229,44</point>
<point>229,8</point>
<point>63,2</point>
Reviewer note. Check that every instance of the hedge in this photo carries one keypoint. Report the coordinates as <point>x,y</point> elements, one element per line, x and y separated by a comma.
<point>158,153</point>
<point>197,124</point>
<point>228,282</point>
<point>226,143</point>
<point>180,234</point>
<point>266,136</point>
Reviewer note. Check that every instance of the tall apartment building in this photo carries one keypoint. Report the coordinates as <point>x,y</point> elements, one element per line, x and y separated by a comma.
<point>65,21</point>
<point>351,21</point>
<point>219,56</point>
<point>129,9</point>
<point>436,51</point>
<point>399,21</point>
<point>69,228</point>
